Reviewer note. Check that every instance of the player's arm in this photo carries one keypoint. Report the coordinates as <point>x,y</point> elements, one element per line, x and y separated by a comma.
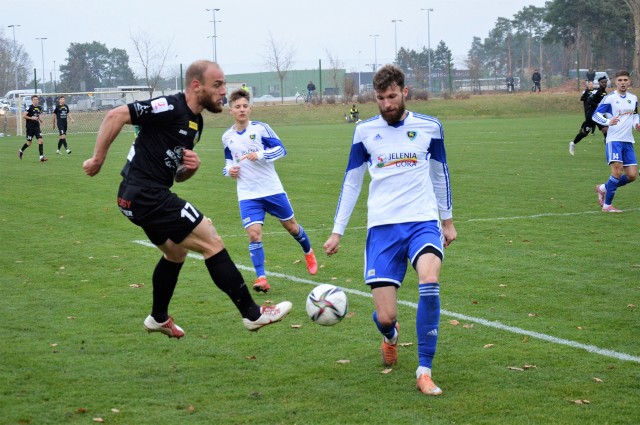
<point>70,117</point>
<point>273,149</point>
<point>230,168</point>
<point>107,133</point>
<point>598,115</point>
<point>189,166</point>
<point>351,187</point>
<point>439,173</point>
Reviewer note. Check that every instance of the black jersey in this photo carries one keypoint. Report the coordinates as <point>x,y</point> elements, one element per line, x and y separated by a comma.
<point>61,112</point>
<point>33,111</point>
<point>594,100</point>
<point>167,127</point>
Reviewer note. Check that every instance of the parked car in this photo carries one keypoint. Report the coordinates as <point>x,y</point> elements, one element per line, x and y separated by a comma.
<point>600,74</point>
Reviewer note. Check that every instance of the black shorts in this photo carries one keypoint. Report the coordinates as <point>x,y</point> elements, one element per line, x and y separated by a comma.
<point>62,127</point>
<point>161,214</point>
<point>33,133</point>
<point>590,125</point>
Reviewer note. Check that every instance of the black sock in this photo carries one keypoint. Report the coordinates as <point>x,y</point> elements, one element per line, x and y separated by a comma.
<point>579,137</point>
<point>64,143</point>
<point>228,278</point>
<point>24,147</point>
<point>165,279</point>
<point>41,149</point>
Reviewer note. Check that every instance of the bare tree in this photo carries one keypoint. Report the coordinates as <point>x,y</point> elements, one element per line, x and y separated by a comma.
<point>151,56</point>
<point>279,57</point>
<point>634,6</point>
<point>335,66</point>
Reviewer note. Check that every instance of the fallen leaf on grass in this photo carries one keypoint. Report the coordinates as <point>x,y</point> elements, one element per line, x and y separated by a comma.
<point>71,317</point>
<point>532,315</point>
<point>579,328</point>
<point>387,371</point>
<point>580,402</point>
<point>250,357</point>
<point>81,410</point>
<point>488,345</point>
<point>136,285</point>
<point>454,322</point>
<point>631,306</point>
<point>114,410</point>
<point>468,326</point>
<point>475,302</point>
<point>297,261</point>
<point>529,366</point>
<point>517,369</point>
<point>98,420</point>
<point>502,285</point>
<point>61,267</point>
<point>597,379</point>
<point>296,326</point>
<point>348,280</point>
<point>350,314</point>
<point>405,344</point>
<point>334,278</point>
<point>525,339</point>
<point>191,408</point>
<point>53,344</point>
<point>343,361</point>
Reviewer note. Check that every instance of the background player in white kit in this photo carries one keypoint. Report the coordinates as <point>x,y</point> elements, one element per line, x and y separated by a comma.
<point>250,148</point>
<point>623,107</point>
<point>409,214</point>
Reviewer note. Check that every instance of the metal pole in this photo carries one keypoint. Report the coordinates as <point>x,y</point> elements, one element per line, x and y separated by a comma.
<point>15,50</point>
<point>213,48</point>
<point>215,34</point>
<point>428,47</point>
<point>42,39</point>
<point>395,35</point>
<point>375,51</point>
<point>359,51</point>
<point>54,76</point>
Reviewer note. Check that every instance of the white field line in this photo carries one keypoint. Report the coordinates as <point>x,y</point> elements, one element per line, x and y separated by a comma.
<point>497,325</point>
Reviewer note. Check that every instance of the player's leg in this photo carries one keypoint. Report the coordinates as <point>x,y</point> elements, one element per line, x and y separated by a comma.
<point>41,148</point>
<point>384,269</point>
<point>26,144</point>
<point>615,160</point>
<point>426,253</point>
<point>280,207</point>
<point>252,214</point>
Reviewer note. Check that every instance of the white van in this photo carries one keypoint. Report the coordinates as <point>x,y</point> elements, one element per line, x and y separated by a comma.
<point>12,96</point>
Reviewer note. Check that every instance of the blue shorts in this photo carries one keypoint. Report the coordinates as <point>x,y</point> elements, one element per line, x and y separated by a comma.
<point>621,152</point>
<point>253,211</point>
<point>388,248</point>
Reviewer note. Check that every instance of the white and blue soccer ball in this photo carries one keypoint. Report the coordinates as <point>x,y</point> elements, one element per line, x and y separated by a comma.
<point>327,305</point>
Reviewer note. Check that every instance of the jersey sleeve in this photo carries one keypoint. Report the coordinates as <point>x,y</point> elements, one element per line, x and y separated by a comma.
<point>157,111</point>
<point>439,173</point>
<point>351,186</point>
<point>273,149</point>
<point>598,115</point>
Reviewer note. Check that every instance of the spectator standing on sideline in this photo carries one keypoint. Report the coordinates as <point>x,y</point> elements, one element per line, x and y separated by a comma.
<point>409,214</point>
<point>511,87</point>
<point>591,99</point>
<point>536,78</point>
<point>250,149</point>
<point>33,120</point>
<point>311,89</point>
<point>591,75</point>
<point>622,106</point>
<point>162,153</point>
<point>61,114</point>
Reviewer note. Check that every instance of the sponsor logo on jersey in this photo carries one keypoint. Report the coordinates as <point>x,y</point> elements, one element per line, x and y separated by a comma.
<point>193,125</point>
<point>160,105</point>
<point>398,159</point>
<point>140,109</point>
<point>411,135</point>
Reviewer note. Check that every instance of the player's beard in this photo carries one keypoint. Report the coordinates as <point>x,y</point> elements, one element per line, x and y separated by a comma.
<point>393,116</point>
<point>210,105</point>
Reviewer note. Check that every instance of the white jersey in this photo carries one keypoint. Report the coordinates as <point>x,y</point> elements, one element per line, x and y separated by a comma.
<point>256,179</point>
<point>625,108</point>
<point>408,168</point>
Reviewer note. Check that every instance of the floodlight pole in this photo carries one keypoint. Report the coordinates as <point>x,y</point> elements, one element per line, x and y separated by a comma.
<point>42,39</point>
<point>15,50</point>
<point>429,46</point>
<point>395,34</point>
<point>215,34</point>
<point>375,51</point>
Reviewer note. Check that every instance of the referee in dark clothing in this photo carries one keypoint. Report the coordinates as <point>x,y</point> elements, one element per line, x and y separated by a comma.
<point>170,127</point>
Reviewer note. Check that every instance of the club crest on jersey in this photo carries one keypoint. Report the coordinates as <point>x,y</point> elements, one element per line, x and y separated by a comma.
<point>252,137</point>
<point>411,135</point>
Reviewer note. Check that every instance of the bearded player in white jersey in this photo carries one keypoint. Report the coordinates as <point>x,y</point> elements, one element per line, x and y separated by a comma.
<point>409,214</point>
<point>250,148</point>
<point>622,107</point>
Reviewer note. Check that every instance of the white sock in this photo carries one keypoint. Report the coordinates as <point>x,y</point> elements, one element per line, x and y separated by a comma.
<point>422,370</point>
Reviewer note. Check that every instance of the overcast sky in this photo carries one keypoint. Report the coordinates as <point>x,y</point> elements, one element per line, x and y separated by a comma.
<point>344,28</point>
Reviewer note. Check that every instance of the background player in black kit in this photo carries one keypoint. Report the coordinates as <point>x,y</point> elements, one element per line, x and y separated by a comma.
<point>61,115</point>
<point>170,127</point>
<point>32,117</point>
<point>591,100</point>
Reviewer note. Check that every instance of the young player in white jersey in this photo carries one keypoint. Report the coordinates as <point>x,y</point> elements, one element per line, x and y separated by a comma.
<point>622,106</point>
<point>250,148</point>
<point>409,214</point>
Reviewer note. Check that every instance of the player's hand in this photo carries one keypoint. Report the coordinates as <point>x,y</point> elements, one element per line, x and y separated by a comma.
<point>638,127</point>
<point>190,160</point>
<point>449,232</point>
<point>91,166</point>
<point>253,157</point>
<point>234,172</point>
<point>614,121</point>
<point>332,245</point>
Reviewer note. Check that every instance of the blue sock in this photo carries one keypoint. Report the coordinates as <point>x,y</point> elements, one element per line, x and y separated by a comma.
<point>623,180</point>
<point>611,185</point>
<point>257,257</point>
<point>303,240</point>
<point>427,320</point>
<point>389,332</point>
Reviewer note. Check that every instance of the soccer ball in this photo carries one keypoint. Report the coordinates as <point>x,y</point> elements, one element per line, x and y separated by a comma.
<point>327,305</point>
